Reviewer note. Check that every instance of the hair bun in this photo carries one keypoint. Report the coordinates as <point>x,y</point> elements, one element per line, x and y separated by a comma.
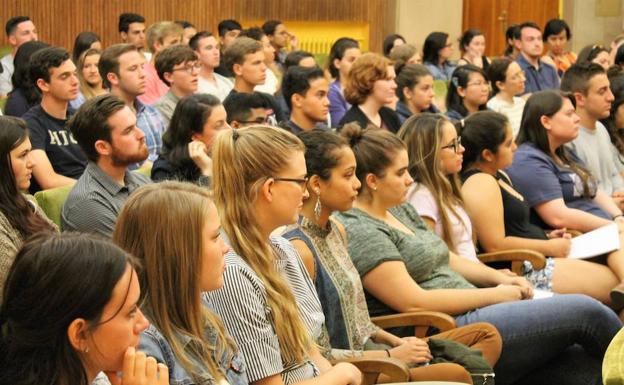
<point>352,132</point>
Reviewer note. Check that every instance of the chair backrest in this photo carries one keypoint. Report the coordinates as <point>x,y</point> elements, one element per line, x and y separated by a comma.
<point>440,89</point>
<point>51,202</point>
<point>613,363</point>
<point>145,170</point>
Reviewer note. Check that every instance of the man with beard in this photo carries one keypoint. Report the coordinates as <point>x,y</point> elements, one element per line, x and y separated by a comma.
<point>105,128</point>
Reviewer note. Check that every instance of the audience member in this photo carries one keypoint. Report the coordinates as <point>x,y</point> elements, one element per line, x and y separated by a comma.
<point>188,31</point>
<point>305,92</point>
<point>58,159</point>
<point>472,48</point>
<point>271,83</point>
<point>539,75</point>
<point>89,76</point>
<point>369,88</point>
<point>20,217</point>
<point>90,320</point>
<point>468,92</point>
<point>178,266</point>
<point>19,30</point>
<point>245,58</point>
<point>105,127</point>
<point>268,303</point>
<point>595,54</point>
<point>299,58</point>
<point>121,68</point>
<point>618,60</point>
<point>557,35</point>
<point>132,31</point>
<point>187,143</point>
<point>279,38</point>
<point>160,35</point>
<point>507,80</point>
<point>405,54</point>
<point>616,43</point>
<point>414,90</point>
<point>343,53</point>
<point>25,93</point>
<point>210,82</point>
<point>178,68</point>
<point>614,123</point>
<point>437,51</point>
<point>390,42</point>
<point>228,31</point>
<point>590,87</point>
<point>85,41</point>
<point>403,265</point>
<point>512,37</point>
<point>245,109</point>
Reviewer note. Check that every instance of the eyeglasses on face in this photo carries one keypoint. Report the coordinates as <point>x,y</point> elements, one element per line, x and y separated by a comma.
<point>189,68</point>
<point>302,182</point>
<point>454,145</point>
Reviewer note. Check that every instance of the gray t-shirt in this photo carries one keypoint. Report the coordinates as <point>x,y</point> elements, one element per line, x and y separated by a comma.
<point>373,242</point>
<point>6,85</point>
<point>595,149</point>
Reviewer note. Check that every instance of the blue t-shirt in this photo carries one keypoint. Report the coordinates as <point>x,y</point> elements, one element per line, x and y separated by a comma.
<point>539,179</point>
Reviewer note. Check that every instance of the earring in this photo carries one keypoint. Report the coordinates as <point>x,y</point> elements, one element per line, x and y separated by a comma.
<point>86,350</point>
<point>375,188</point>
<point>317,206</point>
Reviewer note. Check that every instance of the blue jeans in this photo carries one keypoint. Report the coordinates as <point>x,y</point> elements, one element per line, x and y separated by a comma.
<point>535,334</point>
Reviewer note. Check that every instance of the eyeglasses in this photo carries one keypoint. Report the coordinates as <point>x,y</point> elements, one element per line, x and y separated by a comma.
<point>478,84</point>
<point>189,68</point>
<point>454,145</point>
<point>302,182</point>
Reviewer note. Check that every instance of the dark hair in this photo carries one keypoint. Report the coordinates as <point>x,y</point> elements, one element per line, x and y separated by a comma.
<point>337,51</point>
<point>548,103</point>
<point>109,61</point>
<point>512,33</point>
<point>483,130</point>
<point>616,83</point>
<point>460,78</point>
<point>589,53</point>
<point>13,204</point>
<point>321,149</point>
<point>82,43</point>
<point>90,123</point>
<point>434,42</point>
<point>497,72</point>
<point>44,60</point>
<point>293,58</point>
<point>189,117</point>
<point>297,81</point>
<point>577,77</point>
<point>239,105</point>
<point>228,25</point>
<point>408,76</point>
<point>374,149</point>
<point>125,19</point>
<point>21,76</point>
<point>255,33</point>
<point>194,41</point>
<point>527,24</point>
<point>388,43</point>
<point>55,280</point>
<point>554,27</point>
<point>270,26</point>
<point>619,56</point>
<point>171,57</point>
<point>13,22</point>
<point>467,37</point>
<point>184,24</point>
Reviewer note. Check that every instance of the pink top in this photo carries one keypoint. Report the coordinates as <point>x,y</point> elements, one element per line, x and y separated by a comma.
<point>154,87</point>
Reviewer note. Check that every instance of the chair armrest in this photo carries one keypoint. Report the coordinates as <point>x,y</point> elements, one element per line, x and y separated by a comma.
<point>516,257</point>
<point>422,320</point>
<point>371,368</point>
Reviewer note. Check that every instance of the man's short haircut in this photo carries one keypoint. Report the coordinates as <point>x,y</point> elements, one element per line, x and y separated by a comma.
<point>90,123</point>
<point>125,19</point>
<point>255,33</point>
<point>109,60</point>
<point>577,77</point>
<point>297,81</point>
<point>171,57</point>
<point>13,22</point>
<point>228,25</point>
<point>44,60</point>
<point>194,41</point>
<point>270,26</point>
<point>184,24</point>
<point>238,105</point>
<point>293,58</point>
<point>528,24</point>
<point>235,53</point>
<point>157,32</point>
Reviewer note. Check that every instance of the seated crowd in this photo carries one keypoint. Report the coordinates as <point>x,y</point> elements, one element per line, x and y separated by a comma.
<point>231,212</point>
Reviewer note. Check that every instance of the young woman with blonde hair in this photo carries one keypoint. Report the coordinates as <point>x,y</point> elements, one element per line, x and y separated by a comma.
<point>88,77</point>
<point>268,303</point>
<point>177,266</point>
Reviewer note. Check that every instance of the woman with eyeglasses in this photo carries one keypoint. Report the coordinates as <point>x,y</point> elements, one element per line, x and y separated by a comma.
<point>595,54</point>
<point>468,92</point>
<point>403,265</point>
<point>507,80</point>
<point>437,51</point>
<point>187,142</point>
<point>267,302</point>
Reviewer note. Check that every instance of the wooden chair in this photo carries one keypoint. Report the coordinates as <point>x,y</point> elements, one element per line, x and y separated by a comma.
<point>516,257</point>
<point>422,320</point>
<point>371,368</point>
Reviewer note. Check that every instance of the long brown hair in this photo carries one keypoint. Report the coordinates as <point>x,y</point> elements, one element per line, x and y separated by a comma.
<point>172,263</point>
<point>243,160</point>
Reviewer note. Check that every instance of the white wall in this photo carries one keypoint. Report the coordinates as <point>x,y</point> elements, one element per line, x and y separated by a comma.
<point>587,28</point>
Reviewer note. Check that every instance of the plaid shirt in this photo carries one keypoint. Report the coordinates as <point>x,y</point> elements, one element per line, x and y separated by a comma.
<point>152,124</point>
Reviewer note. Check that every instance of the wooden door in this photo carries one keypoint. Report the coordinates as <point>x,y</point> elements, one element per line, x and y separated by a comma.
<point>494,16</point>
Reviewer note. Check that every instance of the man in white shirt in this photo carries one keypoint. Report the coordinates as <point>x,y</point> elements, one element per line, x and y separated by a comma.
<point>207,48</point>
<point>19,30</point>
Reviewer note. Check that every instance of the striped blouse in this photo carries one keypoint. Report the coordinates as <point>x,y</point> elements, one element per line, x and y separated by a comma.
<point>243,306</point>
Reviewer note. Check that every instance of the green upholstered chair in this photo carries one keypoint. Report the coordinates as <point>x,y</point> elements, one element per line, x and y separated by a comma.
<point>613,363</point>
<point>51,202</point>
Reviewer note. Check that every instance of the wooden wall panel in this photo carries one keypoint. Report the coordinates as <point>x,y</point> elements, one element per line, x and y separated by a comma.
<point>59,21</point>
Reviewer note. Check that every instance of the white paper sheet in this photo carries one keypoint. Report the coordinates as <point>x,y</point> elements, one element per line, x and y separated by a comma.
<point>597,242</point>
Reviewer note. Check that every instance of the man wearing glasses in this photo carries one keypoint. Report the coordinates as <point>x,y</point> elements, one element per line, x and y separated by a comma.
<point>178,68</point>
<point>245,109</point>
